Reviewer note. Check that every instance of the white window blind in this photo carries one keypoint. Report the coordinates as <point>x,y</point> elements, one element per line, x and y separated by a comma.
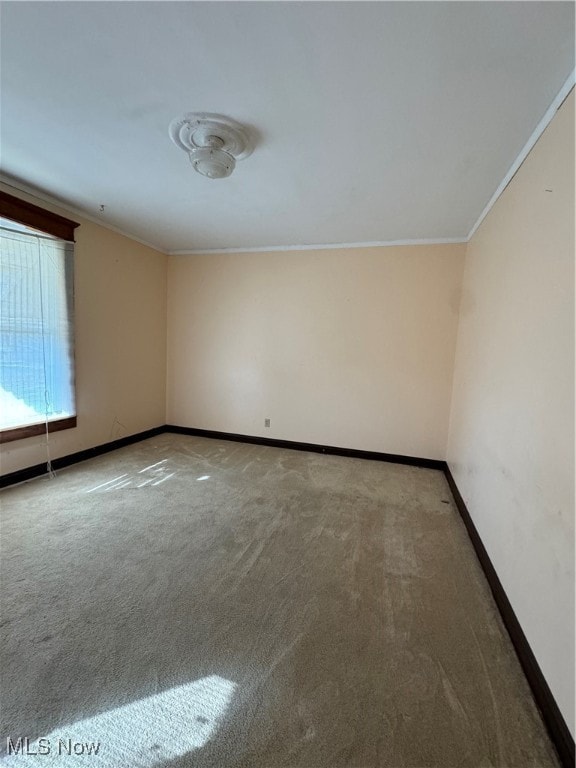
<point>36,327</point>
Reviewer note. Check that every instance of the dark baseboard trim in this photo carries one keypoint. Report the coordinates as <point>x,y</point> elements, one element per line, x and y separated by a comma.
<point>557,728</point>
<point>65,461</point>
<point>353,453</point>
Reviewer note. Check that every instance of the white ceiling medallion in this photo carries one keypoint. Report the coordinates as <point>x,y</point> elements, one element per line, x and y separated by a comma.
<point>213,142</point>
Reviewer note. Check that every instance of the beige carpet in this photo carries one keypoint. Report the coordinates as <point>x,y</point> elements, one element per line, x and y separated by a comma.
<point>194,602</point>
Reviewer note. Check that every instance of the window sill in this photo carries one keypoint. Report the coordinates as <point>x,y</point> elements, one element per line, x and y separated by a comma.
<point>31,430</point>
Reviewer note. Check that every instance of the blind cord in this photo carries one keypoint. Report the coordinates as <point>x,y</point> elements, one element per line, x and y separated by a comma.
<point>49,469</point>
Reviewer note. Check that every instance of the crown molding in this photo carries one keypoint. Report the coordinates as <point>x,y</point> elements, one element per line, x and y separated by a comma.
<point>320,246</point>
<point>18,186</point>
<point>26,189</point>
<point>527,148</point>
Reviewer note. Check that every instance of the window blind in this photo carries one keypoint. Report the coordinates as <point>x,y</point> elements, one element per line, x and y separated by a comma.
<point>36,327</point>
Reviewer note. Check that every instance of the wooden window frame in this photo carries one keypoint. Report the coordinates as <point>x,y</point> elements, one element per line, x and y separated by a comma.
<point>58,226</point>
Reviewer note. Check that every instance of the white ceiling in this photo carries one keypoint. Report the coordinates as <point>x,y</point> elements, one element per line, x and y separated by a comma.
<point>376,121</point>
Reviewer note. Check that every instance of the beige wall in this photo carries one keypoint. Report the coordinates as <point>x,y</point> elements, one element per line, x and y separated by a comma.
<point>356,348</point>
<point>511,446</point>
<point>120,301</point>
<point>350,347</point>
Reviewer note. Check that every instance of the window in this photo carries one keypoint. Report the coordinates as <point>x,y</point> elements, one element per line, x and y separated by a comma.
<point>36,320</point>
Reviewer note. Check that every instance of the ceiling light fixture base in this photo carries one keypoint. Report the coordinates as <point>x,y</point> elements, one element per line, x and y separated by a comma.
<point>213,142</point>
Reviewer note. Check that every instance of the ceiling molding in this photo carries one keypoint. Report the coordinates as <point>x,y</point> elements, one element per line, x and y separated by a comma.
<point>37,194</point>
<point>424,164</point>
<point>320,246</point>
<point>18,186</point>
<point>527,148</point>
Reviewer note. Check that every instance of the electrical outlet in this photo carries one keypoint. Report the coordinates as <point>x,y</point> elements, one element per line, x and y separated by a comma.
<point>266,422</point>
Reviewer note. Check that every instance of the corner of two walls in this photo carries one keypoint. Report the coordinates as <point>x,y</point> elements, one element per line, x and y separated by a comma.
<point>463,352</point>
<point>511,437</point>
<point>120,344</point>
<point>346,347</point>
<point>358,348</point>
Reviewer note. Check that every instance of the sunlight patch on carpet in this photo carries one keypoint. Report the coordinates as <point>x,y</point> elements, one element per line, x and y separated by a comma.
<point>142,734</point>
<point>156,474</point>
